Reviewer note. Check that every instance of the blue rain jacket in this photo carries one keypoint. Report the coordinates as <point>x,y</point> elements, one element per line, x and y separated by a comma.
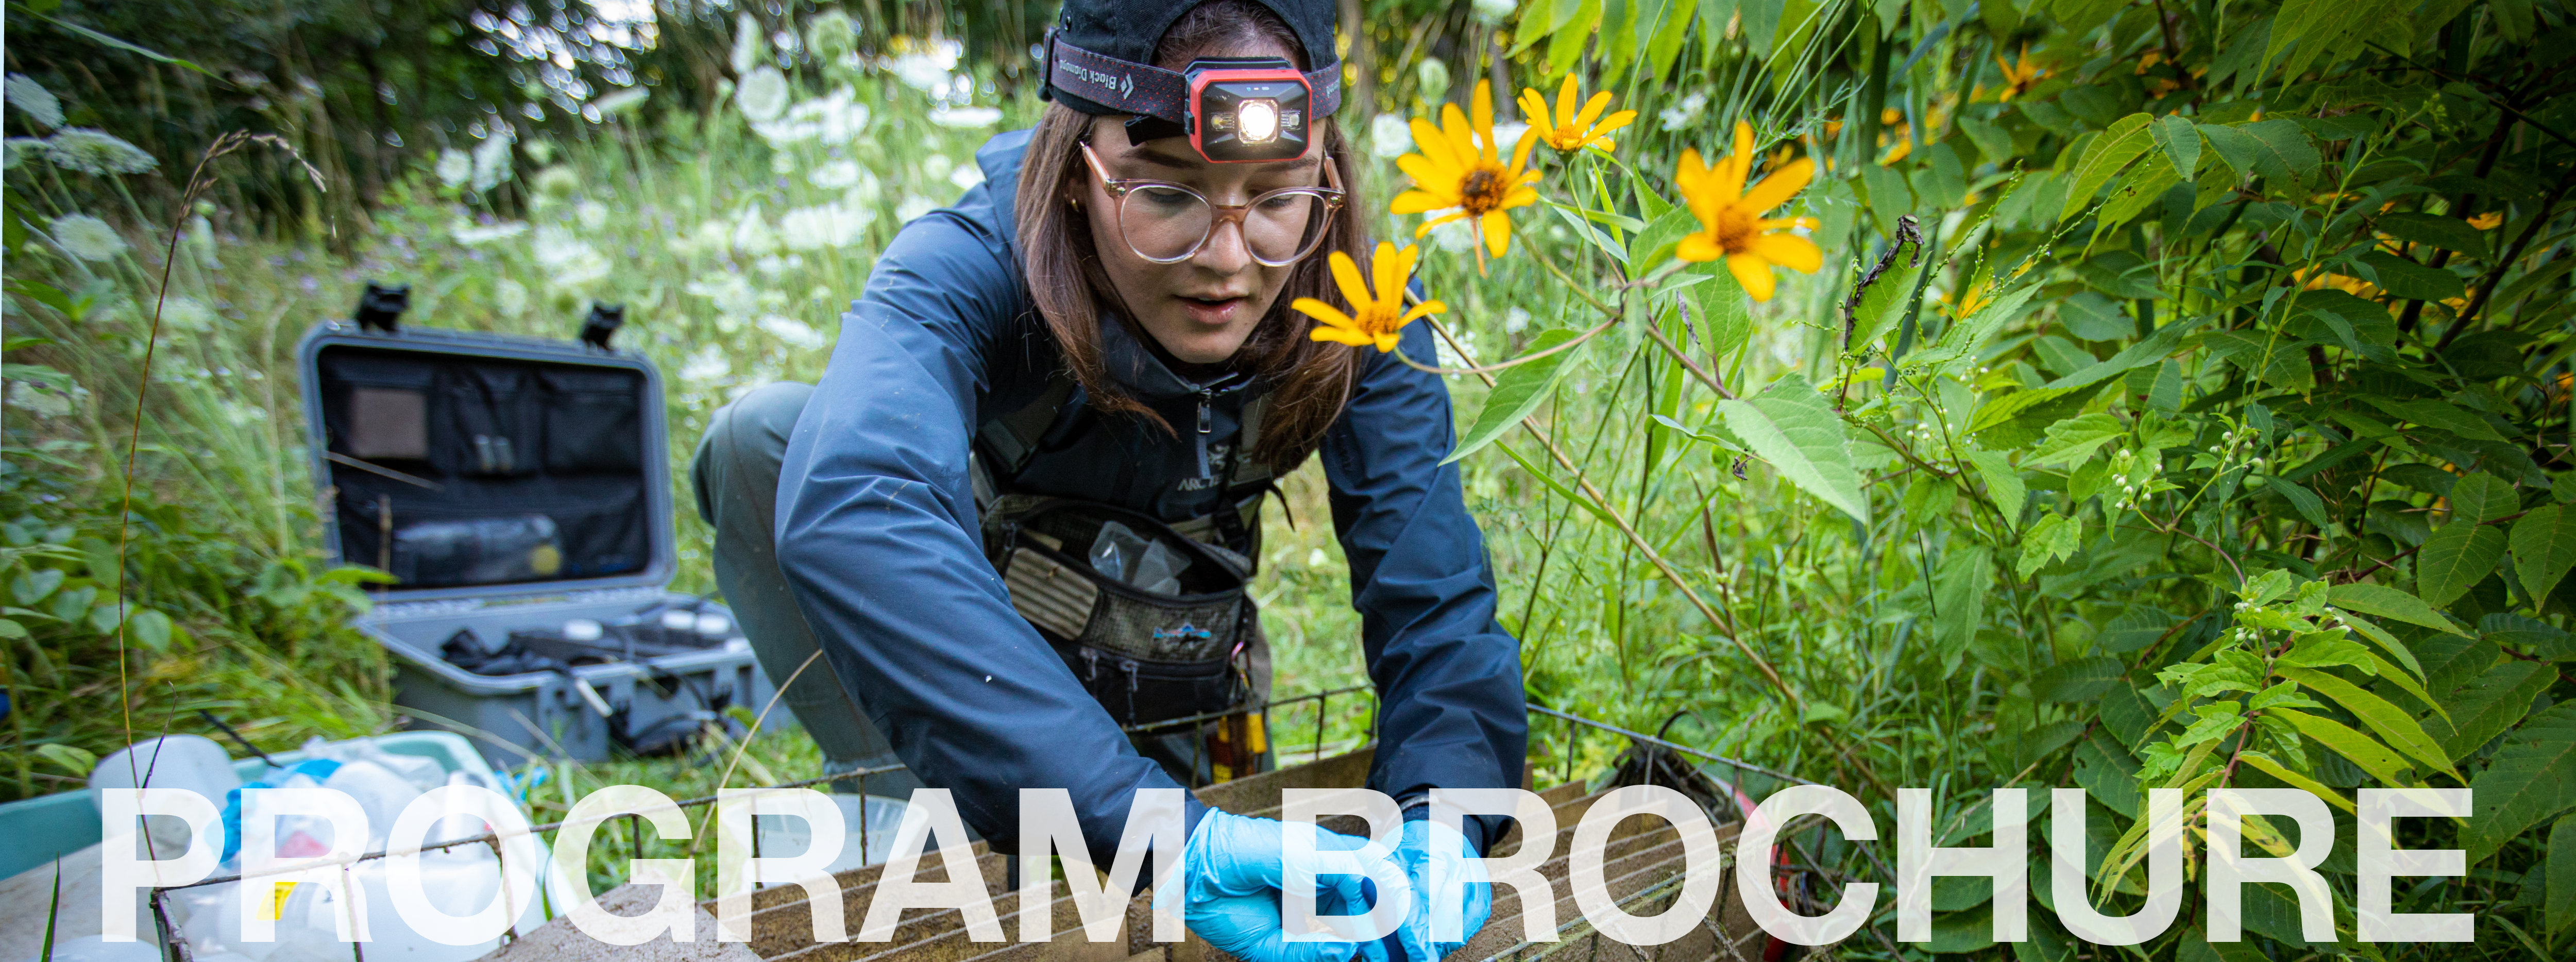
<point>877,532</point>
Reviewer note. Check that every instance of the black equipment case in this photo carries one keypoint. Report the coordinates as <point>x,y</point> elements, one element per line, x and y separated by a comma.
<point>520,488</point>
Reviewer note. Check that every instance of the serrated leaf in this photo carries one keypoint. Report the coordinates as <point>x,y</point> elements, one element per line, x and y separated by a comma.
<point>2109,773</point>
<point>2003,484</point>
<point>2447,233</point>
<point>2414,281</point>
<point>2483,497</point>
<point>2355,747</point>
<point>2387,721</point>
<point>2073,441</point>
<point>2273,767</point>
<point>2531,778</point>
<point>1517,392</point>
<point>2488,705</point>
<point>1795,429</point>
<point>2051,537</point>
<point>2181,142</point>
<point>2457,557</point>
<point>2433,413</point>
<point>2110,152</point>
<point>1959,592</point>
<point>2561,872</point>
<point>2391,603</point>
<point>2310,507</point>
<point>2083,679</point>
<point>1654,244</point>
<point>2544,548</point>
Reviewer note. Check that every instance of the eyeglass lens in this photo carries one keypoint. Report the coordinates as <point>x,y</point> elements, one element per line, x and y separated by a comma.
<point>1166,224</point>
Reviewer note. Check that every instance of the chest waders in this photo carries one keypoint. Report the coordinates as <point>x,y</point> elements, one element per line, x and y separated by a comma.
<point>1147,656</point>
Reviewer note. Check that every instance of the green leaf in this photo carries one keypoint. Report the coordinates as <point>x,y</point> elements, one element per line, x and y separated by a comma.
<point>2081,680</point>
<point>2371,756</point>
<point>1654,244</point>
<point>2052,537</point>
<point>30,587</point>
<point>2280,153</point>
<point>1881,308</point>
<point>2447,233</point>
<point>2561,887</point>
<point>2108,773</point>
<point>1959,596</point>
<point>113,43</point>
<point>2387,721</point>
<point>2435,413</point>
<point>2310,507</point>
<point>2530,779</point>
<point>151,627</point>
<point>2544,548</point>
<point>2414,281</point>
<point>1576,218</point>
<point>2181,142</point>
<point>2110,152</point>
<point>2489,705</point>
<point>2458,556</point>
<point>2273,767</point>
<point>1795,428</point>
<point>2391,603</point>
<point>72,758</point>
<point>2482,497</point>
<point>12,629</point>
<point>1569,494</point>
<point>1959,345</point>
<point>2073,441</point>
<point>1516,393</point>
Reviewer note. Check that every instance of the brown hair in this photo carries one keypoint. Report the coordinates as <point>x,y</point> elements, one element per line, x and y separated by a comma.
<point>1309,381</point>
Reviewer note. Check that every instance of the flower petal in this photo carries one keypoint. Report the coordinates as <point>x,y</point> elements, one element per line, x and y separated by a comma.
<point>1323,312</point>
<point>1753,272</point>
<point>1521,150</point>
<point>1498,232</point>
<point>1435,145</point>
<point>1791,251</point>
<point>1425,229</point>
<point>1740,161</point>
<point>1616,120</point>
<point>1339,335</point>
<point>1534,108</point>
<point>1592,109</point>
<point>1698,248</point>
<point>1776,189</point>
<point>1385,275</point>
<point>1483,105</point>
<point>1422,310</point>
<point>1346,275</point>
<point>1462,138</point>
<point>1420,201</point>
<point>1565,94</point>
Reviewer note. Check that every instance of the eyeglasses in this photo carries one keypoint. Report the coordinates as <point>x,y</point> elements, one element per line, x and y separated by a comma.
<point>1167,223</point>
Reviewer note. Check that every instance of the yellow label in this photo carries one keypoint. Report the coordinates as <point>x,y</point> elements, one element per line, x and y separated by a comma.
<point>1255,739</point>
<point>278,893</point>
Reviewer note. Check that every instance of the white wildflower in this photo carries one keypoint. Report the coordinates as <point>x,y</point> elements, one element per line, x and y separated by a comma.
<point>1316,558</point>
<point>471,234</point>
<point>571,261</point>
<point>834,118</point>
<point>1507,135</point>
<point>1676,118</point>
<point>751,234</point>
<point>746,44</point>
<point>621,101</point>
<point>559,180</point>
<point>831,34</point>
<point>868,190</point>
<point>510,298</point>
<point>782,164</point>
<point>774,265</point>
<point>1455,236</point>
<point>936,165</point>
<point>966,117</point>
<point>1515,321</point>
<point>712,236</point>
<point>708,364</point>
<point>1432,77</point>
<point>794,332</point>
<point>592,214</point>
<point>912,207</point>
<point>15,150</point>
<point>187,314</point>
<point>1492,13</point>
<point>837,175</point>
<point>966,176</point>
<point>86,237</point>
<point>491,161</point>
<point>96,152</point>
<point>45,400</point>
<point>1390,136</point>
<point>455,167</point>
<point>763,94</point>
<point>927,69</point>
<point>31,98</point>
<point>824,226</point>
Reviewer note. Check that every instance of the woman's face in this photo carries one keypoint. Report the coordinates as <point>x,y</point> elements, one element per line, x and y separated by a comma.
<point>1200,309</point>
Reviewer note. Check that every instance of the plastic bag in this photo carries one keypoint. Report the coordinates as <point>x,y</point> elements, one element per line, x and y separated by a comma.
<point>1121,553</point>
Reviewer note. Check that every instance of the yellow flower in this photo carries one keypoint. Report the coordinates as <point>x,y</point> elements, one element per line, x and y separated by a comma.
<point>1380,317</point>
<point>1732,216</point>
<point>2020,77</point>
<point>1572,131</point>
<point>1458,167</point>
<point>2488,220</point>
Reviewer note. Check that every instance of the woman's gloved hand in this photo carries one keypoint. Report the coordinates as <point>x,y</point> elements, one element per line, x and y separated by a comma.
<point>1424,847</point>
<point>1232,871</point>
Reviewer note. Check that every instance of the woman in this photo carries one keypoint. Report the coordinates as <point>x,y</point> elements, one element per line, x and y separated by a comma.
<point>1059,328</point>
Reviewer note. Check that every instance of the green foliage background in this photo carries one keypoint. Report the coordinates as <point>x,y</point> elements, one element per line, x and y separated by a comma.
<point>2214,436</point>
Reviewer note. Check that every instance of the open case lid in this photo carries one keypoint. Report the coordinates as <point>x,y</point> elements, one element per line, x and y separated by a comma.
<point>485,466</point>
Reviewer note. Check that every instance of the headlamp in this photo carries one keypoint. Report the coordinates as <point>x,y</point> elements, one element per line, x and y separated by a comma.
<point>1232,109</point>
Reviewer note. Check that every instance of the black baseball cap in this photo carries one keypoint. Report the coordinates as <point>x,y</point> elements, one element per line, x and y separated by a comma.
<point>1113,41</point>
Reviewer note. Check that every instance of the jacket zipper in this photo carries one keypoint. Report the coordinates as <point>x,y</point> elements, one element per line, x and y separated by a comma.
<point>1207,426</point>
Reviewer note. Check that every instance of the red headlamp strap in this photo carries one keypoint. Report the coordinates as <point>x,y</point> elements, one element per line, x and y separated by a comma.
<point>1136,88</point>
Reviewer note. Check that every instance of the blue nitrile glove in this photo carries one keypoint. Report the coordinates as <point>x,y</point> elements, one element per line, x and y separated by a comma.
<point>1424,846</point>
<point>1232,870</point>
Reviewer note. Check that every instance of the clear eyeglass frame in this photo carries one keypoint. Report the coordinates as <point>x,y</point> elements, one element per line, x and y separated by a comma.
<point>1121,189</point>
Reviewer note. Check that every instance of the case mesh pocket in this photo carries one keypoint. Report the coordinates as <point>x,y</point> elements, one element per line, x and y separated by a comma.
<point>594,421</point>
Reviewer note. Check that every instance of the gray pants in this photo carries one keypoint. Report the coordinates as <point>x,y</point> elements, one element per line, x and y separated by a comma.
<point>735,474</point>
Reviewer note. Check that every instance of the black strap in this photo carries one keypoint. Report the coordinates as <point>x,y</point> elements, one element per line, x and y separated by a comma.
<point>1137,88</point>
<point>1007,441</point>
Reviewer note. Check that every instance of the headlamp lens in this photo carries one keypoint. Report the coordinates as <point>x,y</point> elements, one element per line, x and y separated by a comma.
<point>1257,121</point>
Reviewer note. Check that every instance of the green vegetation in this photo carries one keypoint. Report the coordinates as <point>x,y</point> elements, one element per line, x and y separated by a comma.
<point>2208,428</point>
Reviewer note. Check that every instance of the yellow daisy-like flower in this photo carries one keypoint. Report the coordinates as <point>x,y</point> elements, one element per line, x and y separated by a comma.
<point>2020,77</point>
<point>1380,316</point>
<point>1736,229</point>
<point>1459,167</point>
<point>1572,131</point>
